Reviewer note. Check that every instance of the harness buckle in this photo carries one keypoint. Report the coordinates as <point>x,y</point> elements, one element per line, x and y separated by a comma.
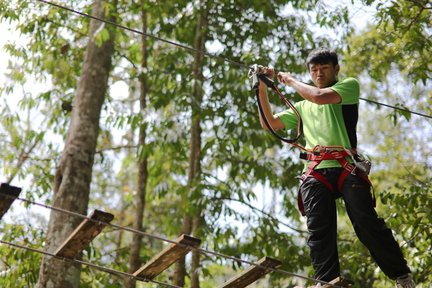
<point>362,163</point>
<point>364,166</point>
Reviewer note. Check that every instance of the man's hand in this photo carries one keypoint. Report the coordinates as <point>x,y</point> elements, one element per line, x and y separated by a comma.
<point>285,78</point>
<point>311,93</point>
<point>268,71</point>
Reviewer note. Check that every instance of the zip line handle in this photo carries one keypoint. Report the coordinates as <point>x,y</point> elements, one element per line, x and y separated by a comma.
<point>266,80</point>
<point>256,74</point>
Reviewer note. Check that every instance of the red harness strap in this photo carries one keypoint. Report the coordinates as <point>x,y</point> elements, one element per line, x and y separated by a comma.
<point>328,155</point>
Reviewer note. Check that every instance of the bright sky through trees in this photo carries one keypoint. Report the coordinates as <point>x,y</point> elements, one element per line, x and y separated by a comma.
<point>240,161</point>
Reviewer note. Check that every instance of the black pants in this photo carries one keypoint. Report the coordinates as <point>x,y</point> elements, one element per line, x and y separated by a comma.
<point>320,209</point>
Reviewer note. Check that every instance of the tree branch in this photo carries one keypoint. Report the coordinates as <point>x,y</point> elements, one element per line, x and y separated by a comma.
<point>116,148</point>
<point>422,8</point>
<point>22,158</point>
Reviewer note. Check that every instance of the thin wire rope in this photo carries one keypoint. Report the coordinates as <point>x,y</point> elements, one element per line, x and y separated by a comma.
<point>98,267</point>
<point>152,236</point>
<point>211,55</point>
<point>396,108</point>
<point>242,65</point>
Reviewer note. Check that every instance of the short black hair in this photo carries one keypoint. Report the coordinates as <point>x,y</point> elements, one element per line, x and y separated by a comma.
<point>322,56</point>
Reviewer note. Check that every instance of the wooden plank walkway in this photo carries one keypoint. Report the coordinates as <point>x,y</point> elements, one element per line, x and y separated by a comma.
<point>168,257</point>
<point>92,226</point>
<point>252,274</point>
<point>84,234</point>
<point>8,194</point>
<point>342,282</point>
<point>339,282</point>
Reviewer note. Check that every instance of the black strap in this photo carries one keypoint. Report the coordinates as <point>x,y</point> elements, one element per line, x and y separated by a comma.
<point>270,83</point>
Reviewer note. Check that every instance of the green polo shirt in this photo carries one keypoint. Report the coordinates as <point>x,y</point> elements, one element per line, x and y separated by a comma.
<point>328,124</point>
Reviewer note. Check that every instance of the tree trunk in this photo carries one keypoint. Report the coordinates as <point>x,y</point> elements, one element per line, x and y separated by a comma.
<point>134,260</point>
<point>180,268</point>
<point>127,181</point>
<point>74,173</point>
<point>191,223</point>
<point>196,263</point>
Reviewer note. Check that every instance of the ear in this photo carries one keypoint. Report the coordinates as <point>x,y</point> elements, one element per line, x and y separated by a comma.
<point>337,68</point>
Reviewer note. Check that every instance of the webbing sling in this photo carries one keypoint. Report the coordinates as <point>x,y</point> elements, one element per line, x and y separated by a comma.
<point>316,159</point>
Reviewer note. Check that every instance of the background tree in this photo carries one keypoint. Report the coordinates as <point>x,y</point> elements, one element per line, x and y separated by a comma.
<point>73,175</point>
<point>134,259</point>
<point>192,221</point>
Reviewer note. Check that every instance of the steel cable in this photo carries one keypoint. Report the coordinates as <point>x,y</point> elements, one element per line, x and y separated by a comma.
<point>240,64</point>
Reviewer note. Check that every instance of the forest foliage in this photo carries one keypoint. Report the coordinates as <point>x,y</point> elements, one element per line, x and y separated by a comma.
<point>248,183</point>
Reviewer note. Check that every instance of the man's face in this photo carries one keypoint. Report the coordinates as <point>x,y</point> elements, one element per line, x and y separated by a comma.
<point>323,75</point>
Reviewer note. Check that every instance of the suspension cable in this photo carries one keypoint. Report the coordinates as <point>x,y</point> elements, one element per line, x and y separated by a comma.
<point>240,64</point>
<point>210,55</point>
<point>396,108</point>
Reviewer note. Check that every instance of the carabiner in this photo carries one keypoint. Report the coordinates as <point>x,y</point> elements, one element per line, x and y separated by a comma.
<point>253,73</point>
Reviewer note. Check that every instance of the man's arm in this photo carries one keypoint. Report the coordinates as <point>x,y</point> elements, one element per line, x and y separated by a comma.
<point>275,122</point>
<point>309,92</point>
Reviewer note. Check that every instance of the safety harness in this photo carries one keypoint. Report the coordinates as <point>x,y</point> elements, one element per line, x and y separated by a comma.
<point>358,166</point>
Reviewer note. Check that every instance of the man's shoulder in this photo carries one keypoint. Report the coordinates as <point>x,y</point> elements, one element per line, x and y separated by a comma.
<point>348,89</point>
<point>347,84</point>
<point>349,81</point>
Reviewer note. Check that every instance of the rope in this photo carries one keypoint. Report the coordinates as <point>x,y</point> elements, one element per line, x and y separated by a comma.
<point>214,56</point>
<point>202,250</point>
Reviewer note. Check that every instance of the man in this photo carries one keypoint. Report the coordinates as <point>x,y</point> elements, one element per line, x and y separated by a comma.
<point>329,114</point>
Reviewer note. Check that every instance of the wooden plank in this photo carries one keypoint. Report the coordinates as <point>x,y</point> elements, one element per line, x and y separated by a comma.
<point>252,274</point>
<point>84,234</point>
<point>8,194</point>
<point>168,257</point>
<point>339,281</point>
